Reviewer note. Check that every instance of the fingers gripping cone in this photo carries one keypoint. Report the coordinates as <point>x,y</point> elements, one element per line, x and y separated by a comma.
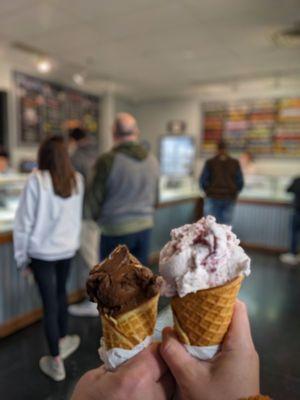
<point>130,329</point>
<point>202,318</point>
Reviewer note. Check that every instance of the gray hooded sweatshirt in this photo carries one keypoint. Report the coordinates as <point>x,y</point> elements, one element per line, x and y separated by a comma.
<point>123,190</point>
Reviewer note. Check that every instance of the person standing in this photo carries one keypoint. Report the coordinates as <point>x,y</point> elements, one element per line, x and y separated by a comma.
<point>46,236</point>
<point>123,192</point>
<point>221,180</point>
<point>292,257</point>
<point>5,168</point>
<point>84,152</point>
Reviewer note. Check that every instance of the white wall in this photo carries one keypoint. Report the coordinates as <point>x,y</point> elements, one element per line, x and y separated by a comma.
<point>153,118</point>
<point>17,152</point>
<point>124,105</point>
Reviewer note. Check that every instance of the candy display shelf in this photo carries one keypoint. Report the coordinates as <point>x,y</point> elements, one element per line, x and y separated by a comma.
<point>265,127</point>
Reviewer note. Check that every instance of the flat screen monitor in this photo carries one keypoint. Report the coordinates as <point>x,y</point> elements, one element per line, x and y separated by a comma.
<point>177,155</point>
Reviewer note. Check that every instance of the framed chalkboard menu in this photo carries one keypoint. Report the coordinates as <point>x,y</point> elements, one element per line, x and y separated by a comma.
<point>45,108</point>
<point>264,127</point>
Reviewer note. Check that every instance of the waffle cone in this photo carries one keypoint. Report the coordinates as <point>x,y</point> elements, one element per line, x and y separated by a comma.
<point>129,329</point>
<point>202,318</point>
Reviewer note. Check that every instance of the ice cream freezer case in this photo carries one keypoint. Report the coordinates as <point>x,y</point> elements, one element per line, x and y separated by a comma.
<point>260,221</point>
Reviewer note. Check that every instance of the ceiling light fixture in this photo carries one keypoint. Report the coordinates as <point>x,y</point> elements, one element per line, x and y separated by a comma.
<point>79,79</point>
<point>44,66</point>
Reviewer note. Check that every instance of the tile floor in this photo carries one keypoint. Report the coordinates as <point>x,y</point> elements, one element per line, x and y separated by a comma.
<point>273,297</point>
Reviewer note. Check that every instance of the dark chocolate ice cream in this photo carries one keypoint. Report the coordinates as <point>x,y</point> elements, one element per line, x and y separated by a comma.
<point>120,283</point>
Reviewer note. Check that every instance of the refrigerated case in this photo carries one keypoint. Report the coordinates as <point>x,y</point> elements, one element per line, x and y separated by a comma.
<point>11,186</point>
<point>177,156</point>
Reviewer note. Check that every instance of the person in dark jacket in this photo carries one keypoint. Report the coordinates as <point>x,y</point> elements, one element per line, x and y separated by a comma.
<point>292,258</point>
<point>123,192</point>
<point>221,180</point>
<point>84,152</point>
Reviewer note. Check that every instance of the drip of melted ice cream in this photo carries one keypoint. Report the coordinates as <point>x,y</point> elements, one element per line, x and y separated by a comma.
<point>201,256</point>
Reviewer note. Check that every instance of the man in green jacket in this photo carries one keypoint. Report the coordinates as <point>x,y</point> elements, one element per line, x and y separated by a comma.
<point>123,191</point>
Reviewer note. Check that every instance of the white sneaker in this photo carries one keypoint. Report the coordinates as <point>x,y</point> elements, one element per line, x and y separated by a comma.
<point>289,258</point>
<point>84,309</point>
<point>68,345</point>
<point>53,368</point>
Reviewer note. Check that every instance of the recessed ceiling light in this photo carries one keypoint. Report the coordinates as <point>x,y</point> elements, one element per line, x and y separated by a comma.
<point>44,66</point>
<point>79,79</point>
<point>288,37</point>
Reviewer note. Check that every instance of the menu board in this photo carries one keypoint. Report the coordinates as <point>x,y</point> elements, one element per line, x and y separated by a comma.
<point>45,108</point>
<point>263,127</point>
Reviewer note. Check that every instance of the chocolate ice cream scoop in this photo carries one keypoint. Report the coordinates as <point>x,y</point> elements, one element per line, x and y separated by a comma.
<point>120,283</point>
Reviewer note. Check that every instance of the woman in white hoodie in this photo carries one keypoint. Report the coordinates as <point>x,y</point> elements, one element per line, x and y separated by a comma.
<point>46,237</point>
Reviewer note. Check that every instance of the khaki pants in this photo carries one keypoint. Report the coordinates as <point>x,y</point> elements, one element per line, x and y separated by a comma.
<point>89,247</point>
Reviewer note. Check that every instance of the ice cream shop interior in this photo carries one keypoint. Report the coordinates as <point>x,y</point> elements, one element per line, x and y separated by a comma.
<point>149,199</point>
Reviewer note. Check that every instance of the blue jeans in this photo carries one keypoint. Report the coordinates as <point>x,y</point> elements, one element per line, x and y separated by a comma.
<point>138,244</point>
<point>295,231</point>
<point>221,209</point>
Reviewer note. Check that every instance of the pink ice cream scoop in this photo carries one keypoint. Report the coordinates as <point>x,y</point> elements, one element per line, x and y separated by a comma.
<point>201,256</point>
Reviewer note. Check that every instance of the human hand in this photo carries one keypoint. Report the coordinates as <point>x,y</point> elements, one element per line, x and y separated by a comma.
<point>145,376</point>
<point>26,272</point>
<point>232,374</point>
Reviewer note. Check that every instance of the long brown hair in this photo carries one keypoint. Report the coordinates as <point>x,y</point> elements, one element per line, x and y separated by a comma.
<point>53,156</point>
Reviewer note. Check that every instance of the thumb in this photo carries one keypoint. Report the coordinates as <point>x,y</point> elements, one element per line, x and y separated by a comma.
<point>239,336</point>
<point>182,365</point>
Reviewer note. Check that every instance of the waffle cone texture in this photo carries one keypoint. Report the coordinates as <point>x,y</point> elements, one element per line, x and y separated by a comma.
<point>202,318</point>
<point>129,329</point>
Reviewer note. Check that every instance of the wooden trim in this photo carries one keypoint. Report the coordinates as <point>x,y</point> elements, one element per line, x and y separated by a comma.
<point>22,321</point>
<point>6,237</point>
<point>265,202</point>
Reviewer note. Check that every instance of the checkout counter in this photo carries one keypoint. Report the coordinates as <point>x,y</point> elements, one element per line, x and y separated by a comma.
<point>261,221</point>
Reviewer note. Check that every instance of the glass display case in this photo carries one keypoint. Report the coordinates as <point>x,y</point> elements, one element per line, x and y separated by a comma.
<point>266,187</point>
<point>10,189</point>
<point>257,187</point>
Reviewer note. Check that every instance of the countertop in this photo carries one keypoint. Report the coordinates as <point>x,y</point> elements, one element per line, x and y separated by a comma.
<point>259,190</point>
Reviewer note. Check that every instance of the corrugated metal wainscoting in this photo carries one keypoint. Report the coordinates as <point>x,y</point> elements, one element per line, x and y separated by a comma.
<point>263,225</point>
<point>18,296</point>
